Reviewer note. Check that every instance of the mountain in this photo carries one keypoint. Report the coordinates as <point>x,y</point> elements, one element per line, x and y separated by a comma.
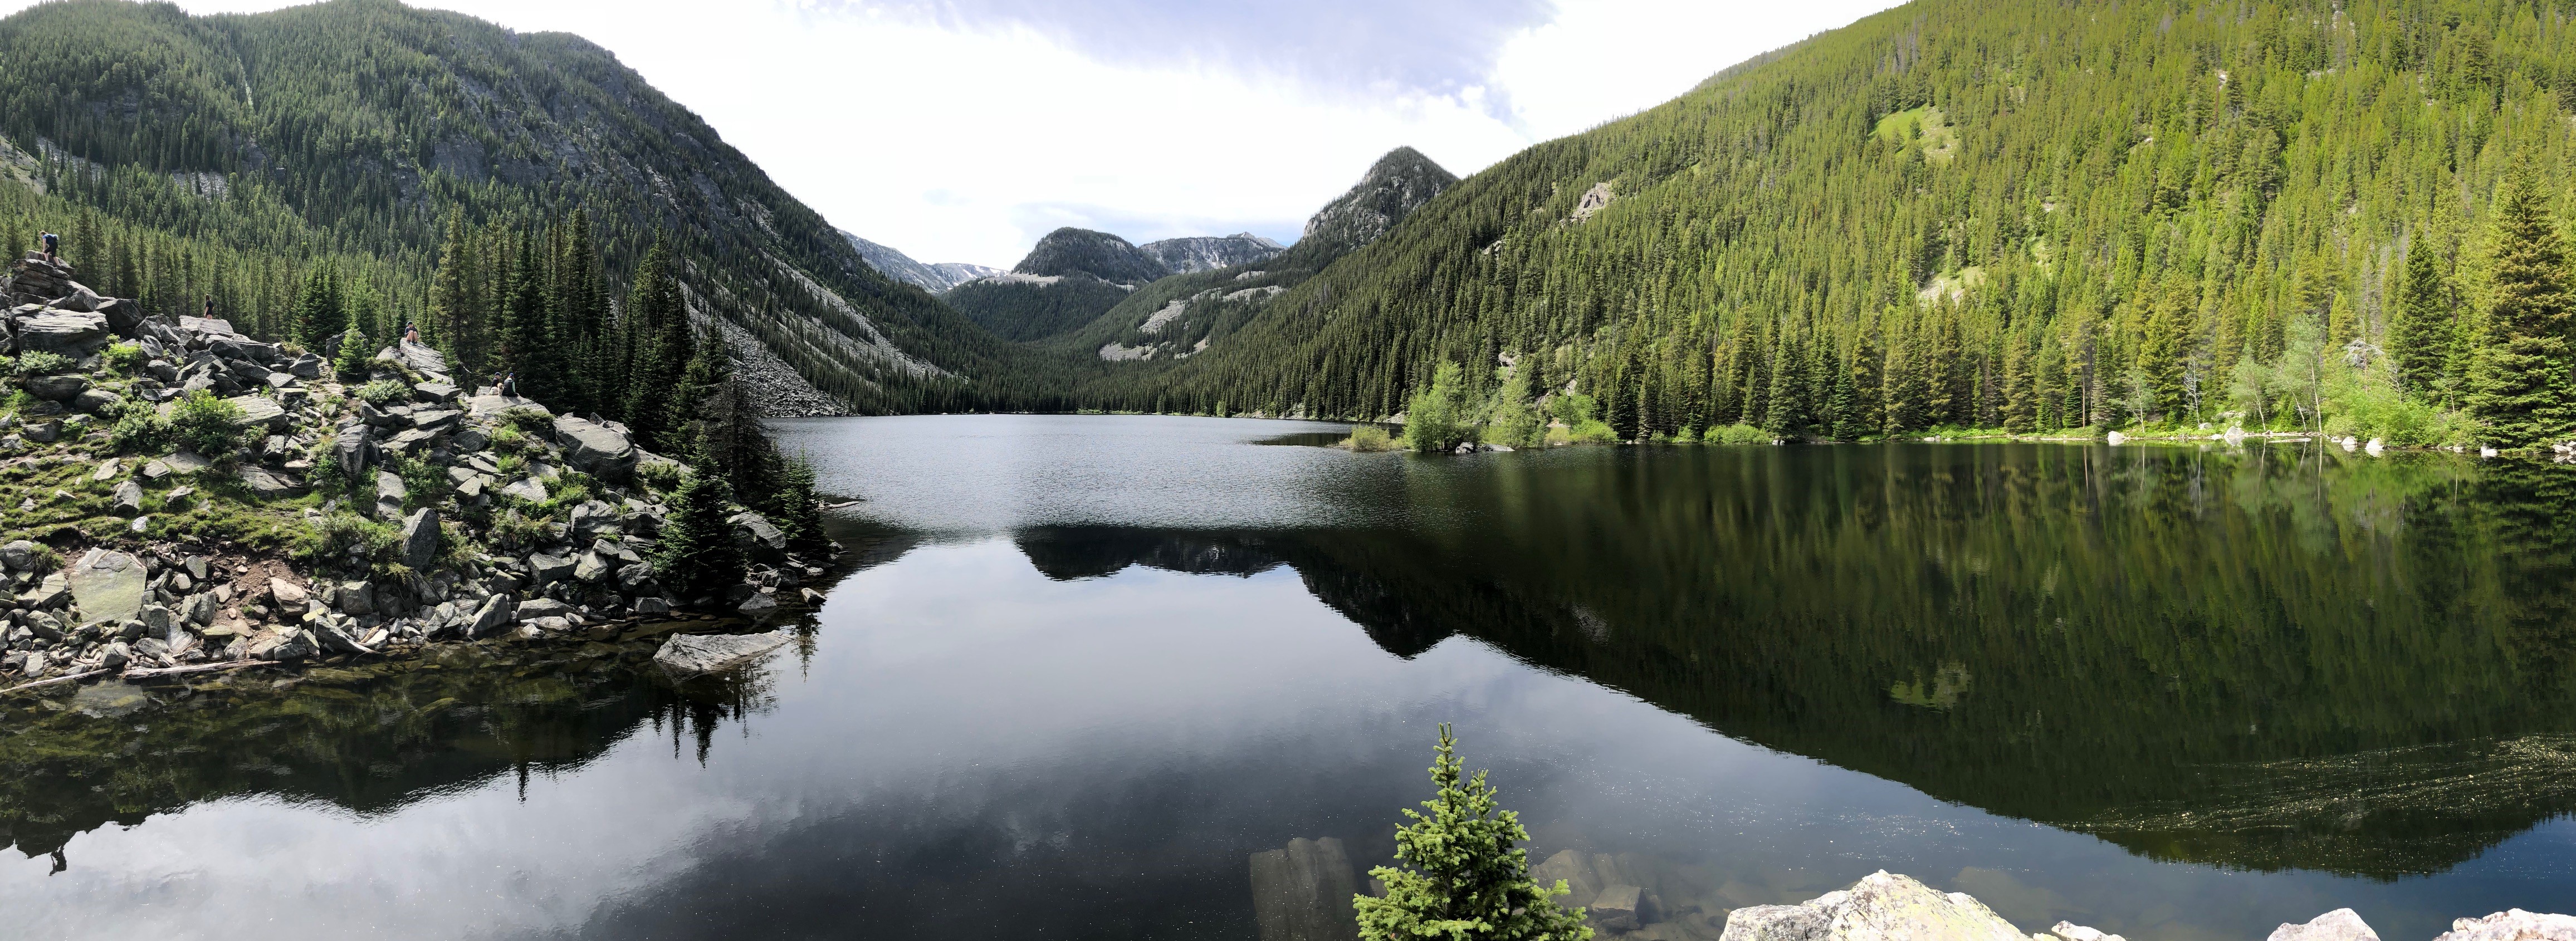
<point>2013,213</point>
<point>1200,253</point>
<point>933,278</point>
<point>1074,275</point>
<point>1180,315</point>
<point>232,155</point>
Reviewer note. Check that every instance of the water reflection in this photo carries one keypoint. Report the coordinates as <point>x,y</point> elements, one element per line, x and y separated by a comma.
<point>1031,721</point>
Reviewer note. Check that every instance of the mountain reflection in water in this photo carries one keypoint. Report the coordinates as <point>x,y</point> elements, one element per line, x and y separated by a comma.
<point>2269,660</point>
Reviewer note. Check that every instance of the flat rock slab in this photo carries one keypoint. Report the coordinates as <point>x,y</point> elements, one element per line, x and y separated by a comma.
<point>1880,905</point>
<point>485,406</point>
<point>72,333</point>
<point>696,654</point>
<point>108,586</point>
<point>258,410</point>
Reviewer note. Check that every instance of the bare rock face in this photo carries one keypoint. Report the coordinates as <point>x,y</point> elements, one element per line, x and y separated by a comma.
<point>596,449</point>
<point>693,654</point>
<point>2342,924</point>
<point>2515,925</point>
<point>1880,907</point>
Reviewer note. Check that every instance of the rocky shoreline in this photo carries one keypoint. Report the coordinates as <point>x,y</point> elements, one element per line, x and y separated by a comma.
<point>345,517</point>
<point>1886,906</point>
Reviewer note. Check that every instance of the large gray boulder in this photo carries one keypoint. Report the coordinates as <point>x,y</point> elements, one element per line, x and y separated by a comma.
<point>687,655</point>
<point>258,411</point>
<point>1304,892</point>
<point>421,358</point>
<point>268,486</point>
<point>2515,925</point>
<point>596,449</point>
<point>548,569</point>
<point>71,333</point>
<point>55,388</point>
<point>496,612</point>
<point>420,539</point>
<point>2342,924</point>
<point>109,586</point>
<point>1880,907</point>
<point>129,498</point>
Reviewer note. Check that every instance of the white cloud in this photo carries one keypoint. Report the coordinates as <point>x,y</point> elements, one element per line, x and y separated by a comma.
<point>966,141</point>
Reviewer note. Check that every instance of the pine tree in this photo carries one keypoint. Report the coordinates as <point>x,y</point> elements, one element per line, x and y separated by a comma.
<point>1619,400</point>
<point>797,509</point>
<point>1869,409</point>
<point>318,311</point>
<point>2419,337</point>
<point>1788,412</point>
<point>2518,380</point>
<point>2020,393</point>
<point>698,558</point>
<point>1465,875</point>
<point>2160,364</point>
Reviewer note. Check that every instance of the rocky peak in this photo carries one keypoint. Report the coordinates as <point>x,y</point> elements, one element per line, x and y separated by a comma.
<point>1072,251</point>
<point>1394,186</point>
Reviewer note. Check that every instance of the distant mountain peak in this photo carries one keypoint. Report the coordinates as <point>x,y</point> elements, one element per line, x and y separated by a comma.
<point>1396,185</point>
<point>933,277</point>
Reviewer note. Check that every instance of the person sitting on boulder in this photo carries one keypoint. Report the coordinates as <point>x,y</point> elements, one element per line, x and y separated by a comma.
<point>509,383</point>
<point>411,333</point>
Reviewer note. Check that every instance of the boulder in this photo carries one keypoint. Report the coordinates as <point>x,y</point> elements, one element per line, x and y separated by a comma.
<point>354,450</point>
<point>1618,908</point>
<point>486,406</point>
<point>596,449</point>
<point>434,417</point>
<point>526,488</point>
<point>590,569</point>
<point>19,556</point>
<point>1304,892</point>
<point>758,535</point>
<point>2515,925</point>
<point>307,366</point>
<point>268,486</point>
<point>357,598</point>
<point>420,539</point>
<point>44,431</point>
<point>95,401</point>
<point>55,388</point>
<point>71,333</point>
<point>547,569</point>
<point>109,586</point>
<point>759,603</point>
<point>420,357</point>
<point>535,608</point>
<point>2342,924</point>
<point>495,612</point>
<point>258,411</point>
<point>688,655</point>
<point>129,498</point>
<point>652,605</point>
<point>1880,907</point>
<point>434,391</point>
<point>287,594</point>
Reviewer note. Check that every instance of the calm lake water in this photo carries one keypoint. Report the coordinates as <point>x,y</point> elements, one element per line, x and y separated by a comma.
<point>1087,667</point>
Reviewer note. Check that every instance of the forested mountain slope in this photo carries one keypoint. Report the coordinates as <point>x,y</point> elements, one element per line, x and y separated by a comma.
<point>1181,314</point>
<point>1972,212</point>
<point>234,156</point>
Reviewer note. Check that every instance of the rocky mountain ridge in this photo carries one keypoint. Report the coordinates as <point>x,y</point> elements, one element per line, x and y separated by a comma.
<point>934,277</point>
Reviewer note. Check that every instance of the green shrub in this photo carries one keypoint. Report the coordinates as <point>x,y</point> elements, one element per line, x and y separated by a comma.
<point>126,358</point>
<point>424,483</point>
<point>207,425</point>
<point>514,530</point>
<point>509,441</point>
<point>44,363</point>
<point>352,361</point>
<point>513,465</point>
<point>383,392</point>
<point>528,421</point>
<point>662,476</point>
<point>357,540</point>
<point>1369,438</point>
<point>139,429</point>
<point>46,559</point>
<point>1736,434</point>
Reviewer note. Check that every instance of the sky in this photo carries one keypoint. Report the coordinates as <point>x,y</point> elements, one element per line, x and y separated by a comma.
<point>962,130</point>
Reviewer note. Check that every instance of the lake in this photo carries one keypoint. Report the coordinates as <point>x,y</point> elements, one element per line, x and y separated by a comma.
<point>1084,669</point>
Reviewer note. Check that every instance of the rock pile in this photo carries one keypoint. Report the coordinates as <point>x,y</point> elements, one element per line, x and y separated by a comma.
<point>1885,907</point>
<point>581,561</point>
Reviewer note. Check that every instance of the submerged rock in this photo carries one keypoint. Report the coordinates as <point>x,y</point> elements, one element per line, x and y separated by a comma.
<point>694,654</point>
<point>1303,892</point>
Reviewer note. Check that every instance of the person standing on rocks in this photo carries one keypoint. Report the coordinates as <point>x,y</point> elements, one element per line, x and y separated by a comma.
<point>53,244</point>
<point>210,307</point>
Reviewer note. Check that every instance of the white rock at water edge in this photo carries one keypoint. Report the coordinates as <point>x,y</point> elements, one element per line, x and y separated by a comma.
<point>694,654</point>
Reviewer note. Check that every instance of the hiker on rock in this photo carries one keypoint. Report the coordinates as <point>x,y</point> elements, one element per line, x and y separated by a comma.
<point>411,334</point>
<point>53,244</point>
<point>509,383</point>
<point>210,307</point>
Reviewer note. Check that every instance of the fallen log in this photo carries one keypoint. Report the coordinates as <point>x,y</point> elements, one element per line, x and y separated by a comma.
<point>66,678</point>
<point>143,672</point>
